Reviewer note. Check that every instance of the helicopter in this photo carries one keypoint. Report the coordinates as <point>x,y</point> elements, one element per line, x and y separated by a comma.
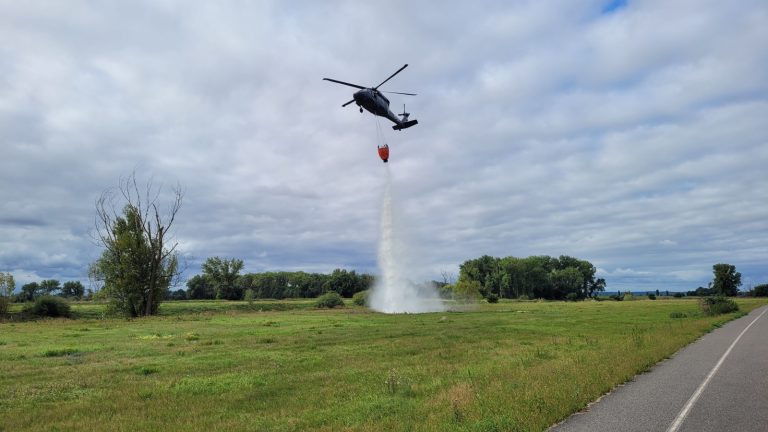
<point>372,99</point>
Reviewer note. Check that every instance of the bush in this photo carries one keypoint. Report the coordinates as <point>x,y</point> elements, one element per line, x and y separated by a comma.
<point>48,306</point>
<point>492,298</point>
<point>652,296</point>
<point>572,296</point>
<point>617,297</point>
<point>467,291</point>
<point>360,298</point>
<point>679,295</point>
<point>761,290</point>
<point>60,352</point>
<point>249,296</point>
<point>329,300</point>
<point>717,305</point>
<point>446,291</point>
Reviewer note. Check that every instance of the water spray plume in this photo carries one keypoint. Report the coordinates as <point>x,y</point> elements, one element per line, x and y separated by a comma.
<point>393,291</point>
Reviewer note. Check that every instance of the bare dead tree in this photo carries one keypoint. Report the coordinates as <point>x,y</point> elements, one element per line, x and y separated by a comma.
<point>448,277</point>
<point>139,262</point>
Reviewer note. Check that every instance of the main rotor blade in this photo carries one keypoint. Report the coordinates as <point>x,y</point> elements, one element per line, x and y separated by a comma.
<point>345,83</point>
<point>347,103</point>
<point>407,94</point>
<point>390,77</point>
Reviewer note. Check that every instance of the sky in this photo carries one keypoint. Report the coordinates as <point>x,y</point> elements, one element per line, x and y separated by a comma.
<point>632,134</point>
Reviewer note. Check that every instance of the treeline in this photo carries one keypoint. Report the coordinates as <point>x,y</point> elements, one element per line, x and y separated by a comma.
<point>221,280</point>
<point>541,276</point>
<point>757,291</point>
<point>50,287</point>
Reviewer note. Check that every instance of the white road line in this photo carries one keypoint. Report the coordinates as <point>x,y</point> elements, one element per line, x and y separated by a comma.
<point>687,408</point>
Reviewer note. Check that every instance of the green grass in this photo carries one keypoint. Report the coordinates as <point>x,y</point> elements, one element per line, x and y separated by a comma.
<point>222,366</point>
<point>97,310</point>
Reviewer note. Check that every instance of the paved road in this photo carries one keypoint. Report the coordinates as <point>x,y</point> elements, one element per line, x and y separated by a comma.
<point>699,389</point>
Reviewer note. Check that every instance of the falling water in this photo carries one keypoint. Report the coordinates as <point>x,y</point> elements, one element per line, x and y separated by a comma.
<point>394,292</point>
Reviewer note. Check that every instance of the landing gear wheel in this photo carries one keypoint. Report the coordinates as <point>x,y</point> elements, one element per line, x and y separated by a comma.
<point>361,110</point>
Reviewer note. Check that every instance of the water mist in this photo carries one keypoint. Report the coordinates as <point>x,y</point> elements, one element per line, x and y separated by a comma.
<point>393,291</point>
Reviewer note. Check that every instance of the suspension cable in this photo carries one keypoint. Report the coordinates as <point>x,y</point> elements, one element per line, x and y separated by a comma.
<point>379,132</point>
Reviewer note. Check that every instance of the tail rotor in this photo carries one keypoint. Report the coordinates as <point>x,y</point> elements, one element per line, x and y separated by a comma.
<point>404,115</point>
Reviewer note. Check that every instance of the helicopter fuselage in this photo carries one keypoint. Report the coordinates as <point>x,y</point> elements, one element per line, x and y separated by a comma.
<point>375,103</point>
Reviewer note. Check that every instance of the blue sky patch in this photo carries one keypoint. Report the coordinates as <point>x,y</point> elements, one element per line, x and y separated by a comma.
<point>614,5</point>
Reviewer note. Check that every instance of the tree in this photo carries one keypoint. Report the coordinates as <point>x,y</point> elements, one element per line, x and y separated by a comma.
<point>179,294</point>
<point>760,290</point>
<point>344,282</point>
<point>727,279</point>
<point>7,286</point>
<point>586,269</point>
<point>29,291</point>
<point>138,264</point>
<point>504,285</point>
<point>222,275</point>
<point>482,270</point>
<point>597,286</point>
<point>48,286</point>
<point>198,288</point>
<point>467,290</point>
<point>532,276</point>
<point>701,291</point>
<point>567,281</point>
<point>73,289</point>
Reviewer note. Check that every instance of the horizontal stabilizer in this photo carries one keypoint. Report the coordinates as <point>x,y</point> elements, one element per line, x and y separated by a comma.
<point>405,125</point>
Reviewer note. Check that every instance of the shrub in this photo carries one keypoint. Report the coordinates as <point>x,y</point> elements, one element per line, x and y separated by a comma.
<point>492,298</point>
<point>572,296</point>
<point>59,352</point>
<point>679,295</point>
<point>48,306</point>
<point>249,296</point>
<point>360,298</point>
<point>467,291</point>
<point>761,290</point>
<point>652,296</point>
<point>329,300</point>
<point>146,370</point>
<point>446,291</point>
<point>717,305</point>
<point>617,297</point>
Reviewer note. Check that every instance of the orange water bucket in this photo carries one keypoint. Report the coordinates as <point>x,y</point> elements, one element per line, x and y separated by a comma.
<point>384,153</point>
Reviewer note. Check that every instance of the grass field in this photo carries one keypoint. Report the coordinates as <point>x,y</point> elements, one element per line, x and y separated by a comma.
<point>224,366</point>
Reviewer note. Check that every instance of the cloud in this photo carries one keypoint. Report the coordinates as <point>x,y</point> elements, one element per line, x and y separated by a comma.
<point>593,129</point>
